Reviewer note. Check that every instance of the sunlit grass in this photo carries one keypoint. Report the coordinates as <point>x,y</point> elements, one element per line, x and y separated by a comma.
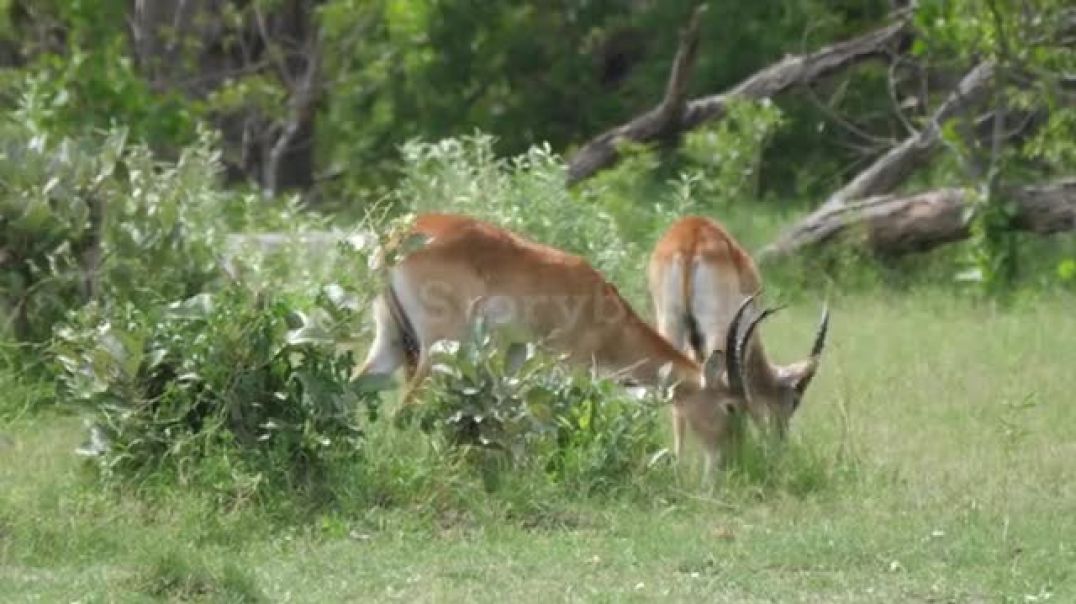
<point>932,461</point>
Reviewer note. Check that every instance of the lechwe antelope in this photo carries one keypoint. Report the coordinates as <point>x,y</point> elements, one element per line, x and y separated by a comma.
<point>557,298</point>
<point>701,280</point>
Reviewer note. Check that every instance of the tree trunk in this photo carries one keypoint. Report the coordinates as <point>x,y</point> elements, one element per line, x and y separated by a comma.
<point>892,225</point>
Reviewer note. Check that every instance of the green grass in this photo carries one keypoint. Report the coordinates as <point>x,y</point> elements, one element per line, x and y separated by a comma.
<point>933,462</point>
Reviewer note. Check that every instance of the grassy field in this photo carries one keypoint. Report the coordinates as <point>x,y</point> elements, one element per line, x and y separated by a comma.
<point>943,429</point>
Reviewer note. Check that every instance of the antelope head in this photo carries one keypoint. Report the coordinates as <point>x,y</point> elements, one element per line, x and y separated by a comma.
<point>773,392</point>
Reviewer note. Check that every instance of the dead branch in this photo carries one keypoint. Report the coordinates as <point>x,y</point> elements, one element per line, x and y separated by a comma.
<point>792,71</point>
<point>661,122</point>
<point>672,106</point>
<point>894,225</point>
<point>892,168</point>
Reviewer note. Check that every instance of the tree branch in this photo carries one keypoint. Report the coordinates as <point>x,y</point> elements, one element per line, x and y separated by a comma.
<point>892,168</point>
<point>661,122</point>
<point>672,106</point>
<point>797,70</point>
<point>792,71</point>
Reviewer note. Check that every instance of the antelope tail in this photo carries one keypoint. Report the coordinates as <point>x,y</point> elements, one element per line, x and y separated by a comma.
<point>406,329</point>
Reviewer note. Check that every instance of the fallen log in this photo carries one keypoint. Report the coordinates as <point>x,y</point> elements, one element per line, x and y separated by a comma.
<point>894,225</point>
<point>893,167</point>
<point>675,114</point>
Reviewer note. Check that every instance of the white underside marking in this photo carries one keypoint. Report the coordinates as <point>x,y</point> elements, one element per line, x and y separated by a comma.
<point>715,295</point>
<point>386,353</point>
<point>670,305</point>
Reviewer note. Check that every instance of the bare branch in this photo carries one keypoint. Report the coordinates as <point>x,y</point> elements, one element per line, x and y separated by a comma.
<point>869,140</point>
<point>1000,71</point>
<point>792,71</point>
<point>898,109</point>
<point>892,168</point>
<point>179,19</point>
<point>90,256</point>
<point>272,50</point>
<point>672,106</point>
<point>661,122</point>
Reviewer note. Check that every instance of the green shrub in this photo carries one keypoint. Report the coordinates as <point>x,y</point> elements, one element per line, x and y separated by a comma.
<point>526,194</point>
<point>94,218</point>
<point>242,394</point>
<point>728,155</point>
<point>50,195</point>
<point>85,78</point>
<point>98,219</point>
<point>509,406</point>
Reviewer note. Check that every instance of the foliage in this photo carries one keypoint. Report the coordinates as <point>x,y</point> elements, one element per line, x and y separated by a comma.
<point>245,395</point>
<point>95,218</point>
<point>526,194</point>
<point>98,218</point>
<point>1029,64</point>
<point>1025,33</point>
<point>718,168</point>
<point>392,71</point>
<point>81,76</point>
<point>728,155</point>
<point>508,406</point>
<point>634,194</point>
<point>529,72</point>
<point>937,487</point>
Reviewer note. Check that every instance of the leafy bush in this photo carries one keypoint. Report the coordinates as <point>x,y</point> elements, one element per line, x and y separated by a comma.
<point>81,76</point>
<point>728,156</point>
<point>526,194</point>
<point>49,198</point>
<point>242,394</point>
<point>95,218</point>
<point>508,405</point>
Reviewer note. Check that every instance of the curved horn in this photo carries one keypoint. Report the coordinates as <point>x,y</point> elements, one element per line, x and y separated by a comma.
<point>820,336</point>
<point>733,368</point>
<point>747,333</point>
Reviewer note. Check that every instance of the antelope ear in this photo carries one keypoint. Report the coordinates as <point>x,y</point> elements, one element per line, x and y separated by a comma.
<point>800,377</point>
<point>713,368</point>
<point>665,375</point>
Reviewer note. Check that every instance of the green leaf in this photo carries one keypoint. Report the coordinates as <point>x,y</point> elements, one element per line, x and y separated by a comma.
<point>199,306</point>
<point>373,383</point>
<point>310,334</point>
<point>1066,269</point>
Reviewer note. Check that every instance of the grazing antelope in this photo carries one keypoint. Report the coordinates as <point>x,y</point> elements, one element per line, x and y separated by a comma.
<point>557,298</point>
<point>700,278</point>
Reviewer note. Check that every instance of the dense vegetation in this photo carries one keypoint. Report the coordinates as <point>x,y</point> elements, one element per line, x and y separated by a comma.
<point>198,201</point>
